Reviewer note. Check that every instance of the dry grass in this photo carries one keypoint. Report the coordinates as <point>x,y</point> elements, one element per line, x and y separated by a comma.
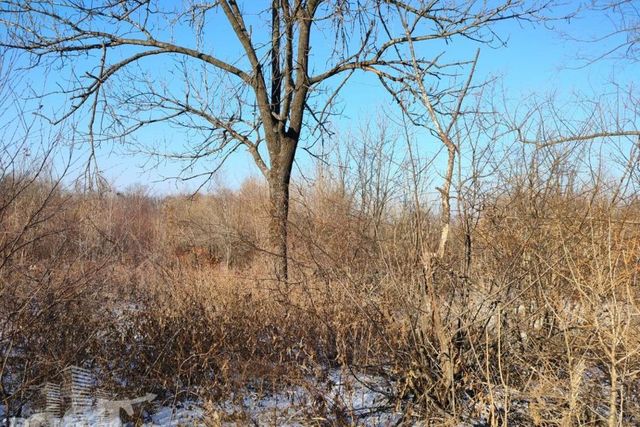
<point>175,296</point>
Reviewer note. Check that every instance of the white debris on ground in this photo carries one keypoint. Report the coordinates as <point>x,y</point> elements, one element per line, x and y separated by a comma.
<point>343,397</point>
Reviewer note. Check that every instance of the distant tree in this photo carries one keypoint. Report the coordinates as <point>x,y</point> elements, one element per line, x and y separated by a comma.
<point>276,90</point>
<point>619,36</point>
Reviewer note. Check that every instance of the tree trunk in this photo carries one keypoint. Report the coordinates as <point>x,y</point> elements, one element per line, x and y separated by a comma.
<point>279,178</point>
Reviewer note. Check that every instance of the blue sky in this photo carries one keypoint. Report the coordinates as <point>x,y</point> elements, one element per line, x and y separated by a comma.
<point>536,60</point>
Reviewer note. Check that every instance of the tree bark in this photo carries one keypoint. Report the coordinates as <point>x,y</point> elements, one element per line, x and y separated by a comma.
<point>279,213</point>
<point>279,178</point>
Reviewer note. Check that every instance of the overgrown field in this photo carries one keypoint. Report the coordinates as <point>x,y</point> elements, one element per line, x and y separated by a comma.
<point>531,318</point>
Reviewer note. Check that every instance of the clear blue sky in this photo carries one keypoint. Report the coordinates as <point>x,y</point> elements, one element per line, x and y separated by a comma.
<point>535,61</point>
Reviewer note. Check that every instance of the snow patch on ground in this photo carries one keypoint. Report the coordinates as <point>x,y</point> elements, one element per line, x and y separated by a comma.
<point>189,414</point>
<point>343,398</point>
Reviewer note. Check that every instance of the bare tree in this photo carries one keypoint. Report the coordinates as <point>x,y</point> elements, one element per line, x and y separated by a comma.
<point>436,110</point>
<point>618,38</point>
<point>542,123</point>
<point>267,97</point>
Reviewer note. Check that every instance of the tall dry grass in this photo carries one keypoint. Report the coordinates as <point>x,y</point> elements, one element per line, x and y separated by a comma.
<point>532,318</point>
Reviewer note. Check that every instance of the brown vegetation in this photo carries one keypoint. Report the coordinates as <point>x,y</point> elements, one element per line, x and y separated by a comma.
<point>531,316</point>
<point>493,282</point>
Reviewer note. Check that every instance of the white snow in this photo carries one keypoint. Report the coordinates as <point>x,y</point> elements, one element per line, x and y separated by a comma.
<point>358,399</point>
